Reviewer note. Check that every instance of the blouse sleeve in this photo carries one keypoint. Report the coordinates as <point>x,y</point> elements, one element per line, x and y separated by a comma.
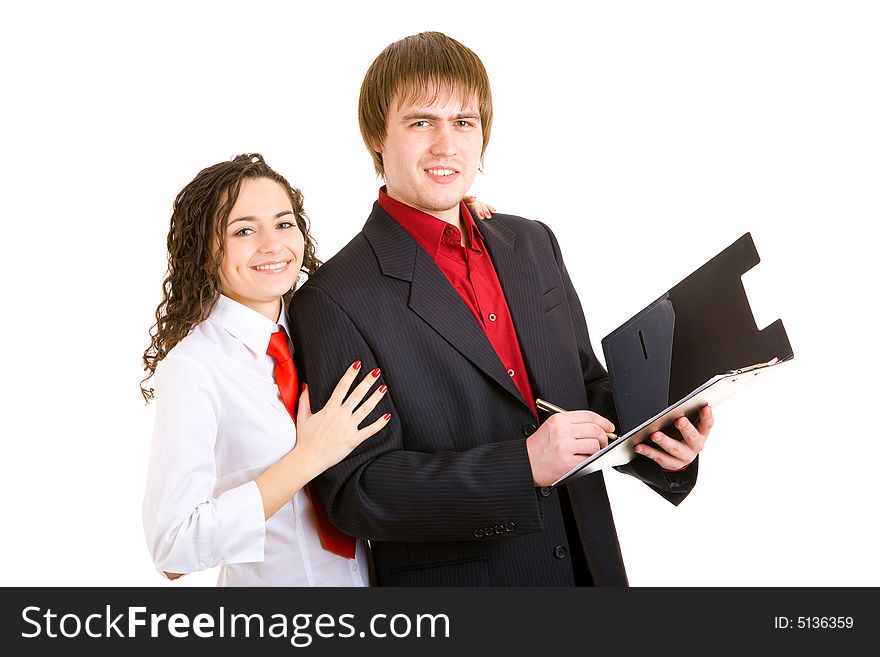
<point>186,526</point>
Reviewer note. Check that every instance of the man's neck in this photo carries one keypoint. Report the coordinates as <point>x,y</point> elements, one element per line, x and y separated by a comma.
<point>451,216</point>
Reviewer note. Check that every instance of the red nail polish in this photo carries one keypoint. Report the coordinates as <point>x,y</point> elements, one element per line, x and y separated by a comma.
<point>387,416</point>
<point>383,388</point>
<point>376,373</point>
<point>357,365</point>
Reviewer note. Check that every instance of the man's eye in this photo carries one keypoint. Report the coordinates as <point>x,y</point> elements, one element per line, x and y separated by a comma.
<point>465,124</point>
<point>420,124</point>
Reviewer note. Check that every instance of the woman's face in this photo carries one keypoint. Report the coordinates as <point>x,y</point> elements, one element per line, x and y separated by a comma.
<point>264,247</point>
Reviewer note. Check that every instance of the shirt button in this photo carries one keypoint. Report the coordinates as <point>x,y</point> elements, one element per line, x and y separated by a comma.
<point>510,373</point>
<point>354,567</point>
<point>492,317</point>
<point>529,429</point>
<point>545,491</point>
<point>559,552</point>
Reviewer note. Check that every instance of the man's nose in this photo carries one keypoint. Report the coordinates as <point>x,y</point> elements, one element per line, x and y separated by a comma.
<point>444,141</point>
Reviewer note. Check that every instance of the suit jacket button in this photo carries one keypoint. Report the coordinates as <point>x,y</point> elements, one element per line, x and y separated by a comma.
<point>478,533</point>
<point>529,429</point>
<point>545,491</point>
<point>559,552</point>
<point>509,527</point>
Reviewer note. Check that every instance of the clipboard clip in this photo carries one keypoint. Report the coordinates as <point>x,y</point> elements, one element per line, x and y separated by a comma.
<point>756,366</point>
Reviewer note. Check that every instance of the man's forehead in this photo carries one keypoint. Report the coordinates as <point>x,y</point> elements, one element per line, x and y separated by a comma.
<point>434,95</point>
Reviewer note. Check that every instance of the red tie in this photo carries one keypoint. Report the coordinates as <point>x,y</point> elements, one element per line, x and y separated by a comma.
<point>288,384</point>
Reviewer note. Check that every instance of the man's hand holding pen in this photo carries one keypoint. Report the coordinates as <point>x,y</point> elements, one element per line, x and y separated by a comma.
<point>564,440</point>
<point>672,454</point>
<point>568,437</point>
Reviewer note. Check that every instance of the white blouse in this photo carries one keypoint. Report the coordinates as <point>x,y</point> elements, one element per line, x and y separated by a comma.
<point>220,422</point>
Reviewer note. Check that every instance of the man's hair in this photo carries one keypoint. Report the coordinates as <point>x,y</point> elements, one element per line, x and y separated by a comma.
<point>196,244</point>
<point>415,69</point>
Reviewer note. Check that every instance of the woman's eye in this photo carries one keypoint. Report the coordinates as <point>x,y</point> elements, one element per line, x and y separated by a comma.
<point>286,224</point>
<point>244,232</point>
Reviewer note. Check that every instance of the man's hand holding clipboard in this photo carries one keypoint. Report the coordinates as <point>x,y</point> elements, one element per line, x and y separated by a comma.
<point>668,452</point>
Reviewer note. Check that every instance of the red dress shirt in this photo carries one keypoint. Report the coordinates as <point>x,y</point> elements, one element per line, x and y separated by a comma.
<point>471,272</point>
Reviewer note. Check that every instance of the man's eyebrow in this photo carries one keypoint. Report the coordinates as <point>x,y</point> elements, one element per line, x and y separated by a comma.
<point>411,116</point>
<point>252,218</point>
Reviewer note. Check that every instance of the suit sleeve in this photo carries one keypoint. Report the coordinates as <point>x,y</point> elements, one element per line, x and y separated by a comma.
<point>673,486</point>
<point>384,492</point>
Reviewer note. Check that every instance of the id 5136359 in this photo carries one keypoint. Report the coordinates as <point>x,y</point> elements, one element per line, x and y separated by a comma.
<point>813,622</point>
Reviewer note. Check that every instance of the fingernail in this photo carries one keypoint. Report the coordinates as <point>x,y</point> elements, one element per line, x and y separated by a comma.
<point>376,373</point>
<point>387,416</point>
<point>357,365</point>
<point>303,389</point>
<point>383,388</point>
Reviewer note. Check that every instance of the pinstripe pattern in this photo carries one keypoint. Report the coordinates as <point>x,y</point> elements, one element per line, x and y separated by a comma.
<point>445,492</point>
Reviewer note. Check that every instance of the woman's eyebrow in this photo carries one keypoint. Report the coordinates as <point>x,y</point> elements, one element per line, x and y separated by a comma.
<point>278,215</point>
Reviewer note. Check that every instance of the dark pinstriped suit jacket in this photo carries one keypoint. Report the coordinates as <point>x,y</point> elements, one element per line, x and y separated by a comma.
<point>445,492</point>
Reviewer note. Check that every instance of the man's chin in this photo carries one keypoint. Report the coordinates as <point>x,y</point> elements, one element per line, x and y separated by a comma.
<point>442,204</point>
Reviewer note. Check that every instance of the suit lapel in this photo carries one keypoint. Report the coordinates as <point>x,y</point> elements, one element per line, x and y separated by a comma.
<point>517,272</point>
<point>432,296</point>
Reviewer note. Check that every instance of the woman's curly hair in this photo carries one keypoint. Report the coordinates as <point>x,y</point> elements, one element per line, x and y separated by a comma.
<point>195,250</point>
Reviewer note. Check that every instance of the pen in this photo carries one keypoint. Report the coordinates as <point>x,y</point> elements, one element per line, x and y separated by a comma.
<point>553,408</point>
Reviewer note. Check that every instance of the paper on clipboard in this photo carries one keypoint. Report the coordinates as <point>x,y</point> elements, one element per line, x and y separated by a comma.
<point>711,393</point>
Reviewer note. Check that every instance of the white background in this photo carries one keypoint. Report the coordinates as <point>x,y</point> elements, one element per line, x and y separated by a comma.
<point>648,135</point>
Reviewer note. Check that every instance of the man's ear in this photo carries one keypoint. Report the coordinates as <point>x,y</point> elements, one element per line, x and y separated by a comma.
<point>378,152</point>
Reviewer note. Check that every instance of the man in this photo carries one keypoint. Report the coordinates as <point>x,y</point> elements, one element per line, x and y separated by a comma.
<point>469,324</point>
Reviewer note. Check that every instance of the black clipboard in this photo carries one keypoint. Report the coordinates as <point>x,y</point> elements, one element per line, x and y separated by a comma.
<point>687,349</point>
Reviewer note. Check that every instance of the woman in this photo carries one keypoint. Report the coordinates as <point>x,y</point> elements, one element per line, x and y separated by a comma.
<point>229,467</point>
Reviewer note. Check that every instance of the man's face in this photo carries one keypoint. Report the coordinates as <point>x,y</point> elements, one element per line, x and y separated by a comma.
<point>432,152</point>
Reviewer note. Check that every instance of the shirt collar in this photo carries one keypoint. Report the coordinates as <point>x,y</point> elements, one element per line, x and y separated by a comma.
<point>427,229</point>
<point>253,329</point>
